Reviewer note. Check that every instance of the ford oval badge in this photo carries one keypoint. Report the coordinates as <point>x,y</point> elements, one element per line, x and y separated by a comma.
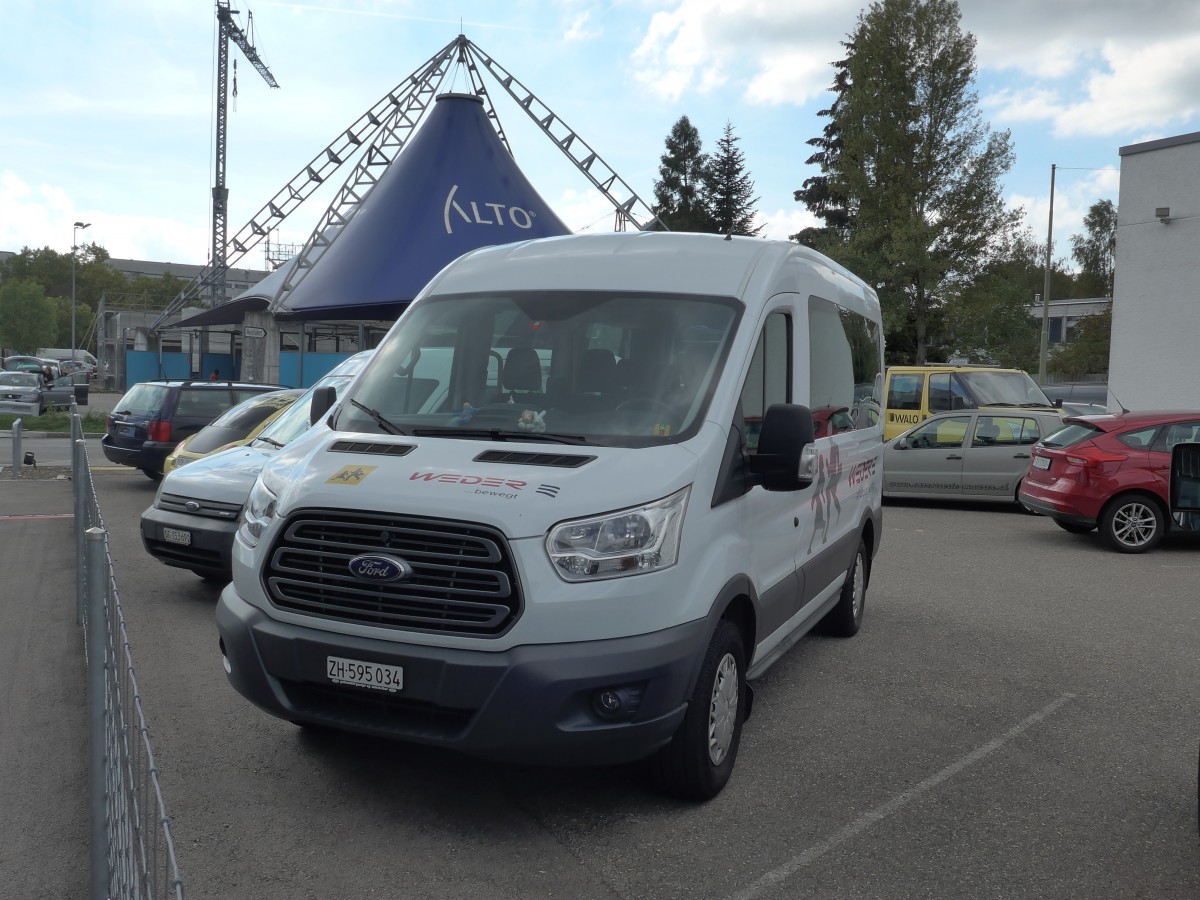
<point>379,568</point>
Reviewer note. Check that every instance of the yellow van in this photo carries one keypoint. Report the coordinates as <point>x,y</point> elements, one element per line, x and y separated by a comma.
<point>913,393</point>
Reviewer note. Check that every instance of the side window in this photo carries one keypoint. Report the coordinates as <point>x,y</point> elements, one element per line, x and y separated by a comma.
<point>940,434</point>
<point>906,391</point>
<point>939,392</point>
<point>1004,431</point>
<point>1176,433</point>
<point>845,365</point>
<point>769,379</point>
<point>1138,440</point>
<point>203,403</point>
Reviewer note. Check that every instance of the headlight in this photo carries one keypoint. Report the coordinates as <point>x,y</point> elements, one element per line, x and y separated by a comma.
<point>257,514</point>
<point>629,542</point>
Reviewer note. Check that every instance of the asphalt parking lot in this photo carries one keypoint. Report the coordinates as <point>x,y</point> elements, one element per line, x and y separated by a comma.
<point>1019,717</point>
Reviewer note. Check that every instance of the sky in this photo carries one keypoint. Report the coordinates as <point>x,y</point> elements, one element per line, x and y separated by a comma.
<point>108,114</point>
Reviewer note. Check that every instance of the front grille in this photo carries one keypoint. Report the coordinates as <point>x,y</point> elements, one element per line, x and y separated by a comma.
<point>463,580</point>
<point>186,557</point>
<point>376,710</point>
<point>214,509</point>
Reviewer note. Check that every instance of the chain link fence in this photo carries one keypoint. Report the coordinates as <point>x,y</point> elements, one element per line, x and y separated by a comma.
<point>132,851</point>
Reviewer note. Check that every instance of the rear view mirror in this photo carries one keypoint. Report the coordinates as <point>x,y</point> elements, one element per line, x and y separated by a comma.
<point>781,463</point>
<point>322,401</point>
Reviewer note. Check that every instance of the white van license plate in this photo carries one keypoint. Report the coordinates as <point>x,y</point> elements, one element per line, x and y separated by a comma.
<point>1041,462</point>
<point>364,674</point>
<point>177,536</point>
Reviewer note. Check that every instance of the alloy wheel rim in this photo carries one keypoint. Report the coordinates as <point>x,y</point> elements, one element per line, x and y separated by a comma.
<point>1134,524</point>
<point>722,711</point>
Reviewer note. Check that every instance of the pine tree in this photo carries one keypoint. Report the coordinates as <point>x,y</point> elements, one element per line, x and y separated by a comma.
<point>729,189</point>
<point>917,172</point>
<point>679,202</point>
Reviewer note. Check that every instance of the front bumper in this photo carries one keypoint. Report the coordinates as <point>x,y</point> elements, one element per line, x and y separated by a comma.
<point>528,704</point>
<point>211,547</point>
<point>19,408</point>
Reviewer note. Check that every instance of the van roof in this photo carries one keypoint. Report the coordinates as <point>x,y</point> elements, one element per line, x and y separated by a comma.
<point>655,262</point>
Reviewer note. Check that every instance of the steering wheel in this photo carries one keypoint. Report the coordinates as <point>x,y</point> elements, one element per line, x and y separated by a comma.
<point>638,405</point>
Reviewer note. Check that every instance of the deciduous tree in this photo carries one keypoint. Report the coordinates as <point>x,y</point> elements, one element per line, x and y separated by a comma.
<point>1095,251</point>
<point>26,316</point>
<point>917,171</point>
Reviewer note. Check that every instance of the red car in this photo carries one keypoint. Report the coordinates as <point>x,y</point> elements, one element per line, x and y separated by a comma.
<point>1111,472</point>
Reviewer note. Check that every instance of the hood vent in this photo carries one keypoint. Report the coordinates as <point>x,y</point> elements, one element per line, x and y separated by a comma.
<point>517,458</point>
<point>372,447</point>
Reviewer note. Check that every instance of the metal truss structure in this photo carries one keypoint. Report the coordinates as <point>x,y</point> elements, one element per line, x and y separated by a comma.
<point>377,137</point>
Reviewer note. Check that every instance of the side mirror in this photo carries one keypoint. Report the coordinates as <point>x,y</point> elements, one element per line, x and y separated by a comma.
<point>781,463</point>
<point>1058,403</point>
<point>901,444</point>
<point>322,401</point>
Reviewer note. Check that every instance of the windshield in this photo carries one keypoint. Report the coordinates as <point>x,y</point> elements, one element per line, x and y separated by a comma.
<point>143,400</point>
<point>578,366</point>
<point>18,379</point>
<point>235,424</point>
<point>293,423</point>
<point>1070,435</point>
<point>1004,388</point>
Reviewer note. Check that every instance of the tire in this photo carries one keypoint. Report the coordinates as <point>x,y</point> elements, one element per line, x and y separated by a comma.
<point>1073,527</point>
<point>152,475</point>
<point>698,761</point>
<point>1132,523</point>
<point>846,617</point>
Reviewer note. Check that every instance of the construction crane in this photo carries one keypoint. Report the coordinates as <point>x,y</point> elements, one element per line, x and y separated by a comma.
<point>229,30</point>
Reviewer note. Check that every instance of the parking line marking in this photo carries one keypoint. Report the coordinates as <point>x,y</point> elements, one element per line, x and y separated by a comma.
<point>794,865</point>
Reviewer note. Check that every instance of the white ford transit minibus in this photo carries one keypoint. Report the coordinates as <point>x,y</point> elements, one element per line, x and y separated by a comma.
<point>586,490</point>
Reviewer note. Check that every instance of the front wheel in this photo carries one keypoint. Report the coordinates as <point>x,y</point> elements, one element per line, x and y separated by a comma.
<point>699,760</point>
<point>152,475</point>
<point>1132,523</point>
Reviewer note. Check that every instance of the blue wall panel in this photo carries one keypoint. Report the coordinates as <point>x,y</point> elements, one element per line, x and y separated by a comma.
<point>315,365</point>
<point>143,365</point>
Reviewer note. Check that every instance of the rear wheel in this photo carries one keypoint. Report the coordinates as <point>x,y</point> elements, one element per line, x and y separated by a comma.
<point>1073,527</point>
<point>845,618</point>
<point>1132,523</point>
<point>699,760</point>
<point>152,475</point>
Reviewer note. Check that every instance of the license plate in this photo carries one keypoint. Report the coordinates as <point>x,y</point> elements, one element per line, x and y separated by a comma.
<point>1041,462</point>
<point>364,674</point>
<point>177,536</point>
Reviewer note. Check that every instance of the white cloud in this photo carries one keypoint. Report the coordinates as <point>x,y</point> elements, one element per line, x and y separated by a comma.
<point>783,223</point>
<point>42,215</point>
<point>580,29</point>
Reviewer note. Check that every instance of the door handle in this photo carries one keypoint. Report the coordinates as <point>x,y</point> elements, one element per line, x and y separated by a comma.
<point>954,456</point>
<point>1020,456</point>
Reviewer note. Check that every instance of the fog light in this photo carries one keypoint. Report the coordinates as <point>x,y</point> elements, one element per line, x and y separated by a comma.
<point>618,702</point>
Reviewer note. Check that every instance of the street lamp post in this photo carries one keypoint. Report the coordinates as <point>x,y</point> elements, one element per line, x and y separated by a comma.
<point>79,226</point>
<point>1046,287</point>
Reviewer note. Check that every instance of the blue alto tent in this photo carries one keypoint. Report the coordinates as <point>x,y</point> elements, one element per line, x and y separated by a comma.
<point>452,189</point>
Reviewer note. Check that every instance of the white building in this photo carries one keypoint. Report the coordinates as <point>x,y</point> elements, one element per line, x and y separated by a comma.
<point>1154,360</point>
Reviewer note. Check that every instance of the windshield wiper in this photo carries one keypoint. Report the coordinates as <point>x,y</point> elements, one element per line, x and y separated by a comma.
<point>266,440</point>
<point>389,427</point>
<point>498,434</point>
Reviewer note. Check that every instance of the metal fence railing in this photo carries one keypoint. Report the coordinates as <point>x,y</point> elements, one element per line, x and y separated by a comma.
<point>132,852</point>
